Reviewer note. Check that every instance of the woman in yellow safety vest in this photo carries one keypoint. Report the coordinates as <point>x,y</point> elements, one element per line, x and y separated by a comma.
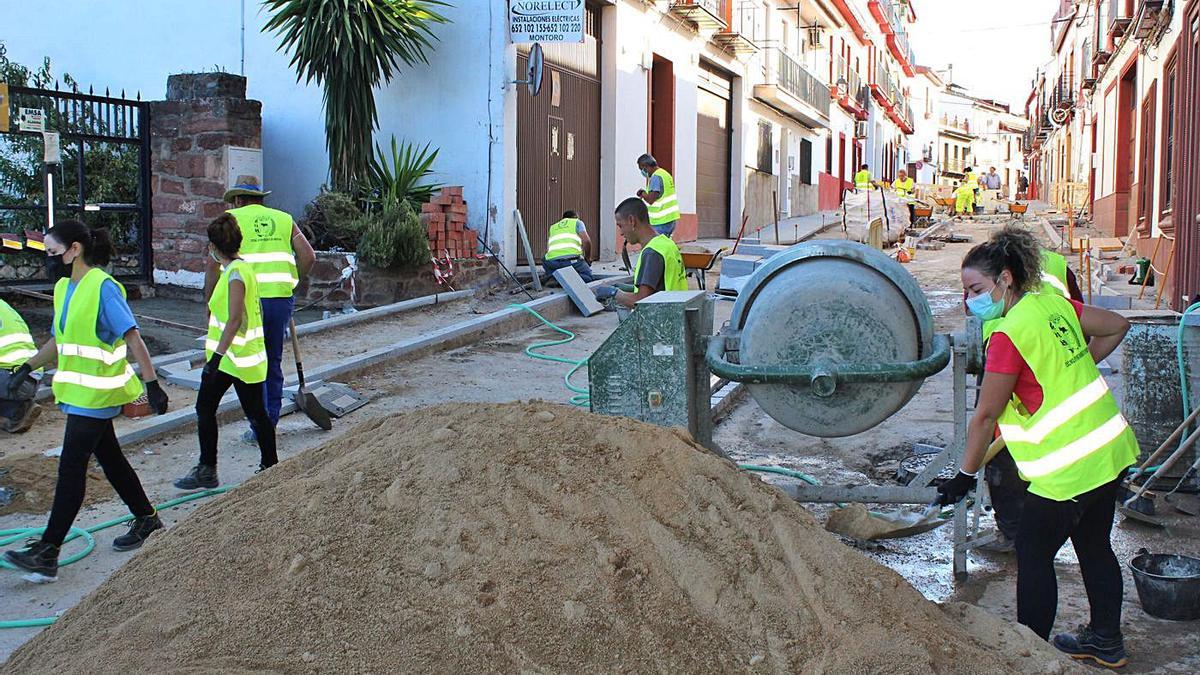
<point>1063,428</point>
<point>19,412</point>
<point>236,356</point>
<point>92,331</point>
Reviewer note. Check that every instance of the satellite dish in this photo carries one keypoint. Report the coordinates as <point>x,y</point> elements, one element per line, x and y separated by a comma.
<point>536,70</point>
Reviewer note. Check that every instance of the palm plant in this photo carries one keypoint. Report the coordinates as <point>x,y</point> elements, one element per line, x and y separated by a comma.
<point>401,175</point>
<point>350,47</point>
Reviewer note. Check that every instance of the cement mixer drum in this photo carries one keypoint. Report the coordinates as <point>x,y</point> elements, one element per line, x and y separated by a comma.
<point>851,320</point>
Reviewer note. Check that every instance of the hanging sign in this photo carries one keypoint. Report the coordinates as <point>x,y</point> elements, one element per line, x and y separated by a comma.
<point>32,119</point>
<point>52,148</point>
<point>549,21</point>
<point>3,107</point>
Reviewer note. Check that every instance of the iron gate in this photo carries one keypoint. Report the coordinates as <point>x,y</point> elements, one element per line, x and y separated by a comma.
<point>103,178</point>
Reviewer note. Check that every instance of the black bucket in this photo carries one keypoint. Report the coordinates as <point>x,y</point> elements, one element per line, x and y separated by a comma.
<point>1167,585</point>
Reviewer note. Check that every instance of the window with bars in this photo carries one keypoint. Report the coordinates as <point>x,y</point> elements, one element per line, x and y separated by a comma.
<point>766,148</point>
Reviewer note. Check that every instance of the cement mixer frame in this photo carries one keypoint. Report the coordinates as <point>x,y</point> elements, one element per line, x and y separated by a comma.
<point>669,345</point>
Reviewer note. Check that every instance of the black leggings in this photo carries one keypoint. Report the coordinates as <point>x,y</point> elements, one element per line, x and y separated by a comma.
<point>252,398</point>
<point>87,436</point>
<point>1045,526</point>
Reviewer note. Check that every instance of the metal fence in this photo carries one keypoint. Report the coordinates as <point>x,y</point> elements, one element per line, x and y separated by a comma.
<point>103,177</point>
<point>796,80</point>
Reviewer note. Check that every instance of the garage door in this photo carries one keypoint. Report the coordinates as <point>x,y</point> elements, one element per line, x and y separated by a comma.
<point>713,134</point>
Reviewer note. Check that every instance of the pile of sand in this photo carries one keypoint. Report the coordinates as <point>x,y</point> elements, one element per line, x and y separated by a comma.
<point>522,537</point>
<point>27,484</point>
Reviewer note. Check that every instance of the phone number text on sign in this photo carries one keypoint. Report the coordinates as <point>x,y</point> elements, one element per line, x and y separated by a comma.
<point>546,21</point>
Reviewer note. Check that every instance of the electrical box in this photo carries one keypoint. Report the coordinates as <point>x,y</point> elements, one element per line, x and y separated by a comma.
<point>644,370</point>
<point>242,162</point>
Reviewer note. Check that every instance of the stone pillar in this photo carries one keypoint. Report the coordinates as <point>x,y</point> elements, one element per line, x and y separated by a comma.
<point>204,114</point>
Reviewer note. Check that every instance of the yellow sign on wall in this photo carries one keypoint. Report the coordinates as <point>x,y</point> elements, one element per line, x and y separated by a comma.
<point>3,107</point>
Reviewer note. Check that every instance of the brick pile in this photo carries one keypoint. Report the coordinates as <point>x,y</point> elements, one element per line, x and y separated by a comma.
<point>445,221</point>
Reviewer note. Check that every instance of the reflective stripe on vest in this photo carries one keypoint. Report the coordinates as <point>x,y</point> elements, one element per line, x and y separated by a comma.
<point>666,208</point>
<point>903,188</point>
<point>267,247</point>
<point>16,344</point>
<point>246,358</point>
<point>1054,273</point>
<point>1078,439</point>
<point>862,180</point>
<point>91,374</point>
<point>972,181</point>
<point>564,240</point>
<point>674,274</point>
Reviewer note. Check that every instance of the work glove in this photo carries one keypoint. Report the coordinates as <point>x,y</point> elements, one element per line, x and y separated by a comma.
<point>212,366</point>
<point>17,377</point>
<point>953,490</point>
<point>156,397</point>
<point>605,293</point>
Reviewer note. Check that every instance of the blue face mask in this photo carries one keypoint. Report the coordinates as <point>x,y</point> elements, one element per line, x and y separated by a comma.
<point>985,306</point>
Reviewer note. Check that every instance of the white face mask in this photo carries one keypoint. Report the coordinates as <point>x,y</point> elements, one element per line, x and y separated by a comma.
<point>213,254</point>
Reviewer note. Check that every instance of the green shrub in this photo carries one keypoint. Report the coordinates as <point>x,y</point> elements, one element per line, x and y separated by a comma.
<point>333,220</point>
<point>402,175</point>
<point>393,239</point>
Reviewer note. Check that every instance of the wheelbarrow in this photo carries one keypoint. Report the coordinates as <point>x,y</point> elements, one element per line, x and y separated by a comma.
<point>1017,210</point>
<point>697,263</point>
<point>947,202</point>
<point>922,215</point>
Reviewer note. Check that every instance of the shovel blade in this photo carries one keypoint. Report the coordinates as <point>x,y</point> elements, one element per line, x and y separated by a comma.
<point>310,406</point>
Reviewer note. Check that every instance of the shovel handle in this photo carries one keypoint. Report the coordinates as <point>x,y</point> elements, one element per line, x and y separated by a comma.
<point>296,352</point>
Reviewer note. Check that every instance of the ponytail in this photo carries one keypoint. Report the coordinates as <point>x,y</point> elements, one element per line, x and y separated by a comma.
<point>97,244</point>
<point>1012,249</point>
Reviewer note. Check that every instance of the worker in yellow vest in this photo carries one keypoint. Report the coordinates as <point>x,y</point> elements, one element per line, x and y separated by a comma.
<point>93,331</point>
<point>235,356</point>
<point>568,245</point>
<point>1063,428</point>
<point>1006,489</point>
<point>862,179</point>
<point>280,255</point>
<point>659,194</point>
<point>16,347</point>
<point>659,266</point>
<point>964,200</point>
<point>972,181</point>
<point>904,185</point>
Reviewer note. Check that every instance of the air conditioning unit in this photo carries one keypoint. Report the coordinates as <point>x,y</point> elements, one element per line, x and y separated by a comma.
<point>814,36</point>
<point>861,129</point>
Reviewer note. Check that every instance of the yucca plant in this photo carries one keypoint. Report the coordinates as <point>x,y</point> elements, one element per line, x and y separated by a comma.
<point>350,47</point>
<point>401,175</point>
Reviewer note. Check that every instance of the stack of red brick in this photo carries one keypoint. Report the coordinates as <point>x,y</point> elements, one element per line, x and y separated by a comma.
<point>445,221</point>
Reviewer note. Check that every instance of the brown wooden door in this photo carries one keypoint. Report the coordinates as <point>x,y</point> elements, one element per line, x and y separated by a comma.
<point>558,141</point>
<point>1186,174</point>
<point>1145,208</point>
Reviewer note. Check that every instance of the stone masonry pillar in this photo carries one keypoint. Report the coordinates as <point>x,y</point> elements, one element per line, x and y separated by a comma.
<point>190,132</point>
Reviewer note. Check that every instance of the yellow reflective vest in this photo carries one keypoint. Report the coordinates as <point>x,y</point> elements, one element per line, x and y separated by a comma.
<point>674,274</point>
<point>91,374</point>
<point>267,246</point>
<point>1077,440</point>
<point>564,240</point>
<point>862,180</point>
<point>16,344</point>
<point>246,358</point>
<point>1054,281</point>
<point>666,208</point>
<point>904,187</point>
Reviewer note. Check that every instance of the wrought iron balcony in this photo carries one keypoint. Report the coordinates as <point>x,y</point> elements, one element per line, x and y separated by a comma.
<point>736,39</point>
<point>791,88</point>
<point>1118,18</point>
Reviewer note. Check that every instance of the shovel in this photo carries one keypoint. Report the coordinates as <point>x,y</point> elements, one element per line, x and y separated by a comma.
<point>305,400</point>
<point>876,525</point>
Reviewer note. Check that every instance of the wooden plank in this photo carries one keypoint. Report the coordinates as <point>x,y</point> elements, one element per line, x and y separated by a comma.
<point>1102,243</point>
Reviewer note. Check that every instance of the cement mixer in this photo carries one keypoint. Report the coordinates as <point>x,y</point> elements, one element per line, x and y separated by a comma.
<point>830,338</point>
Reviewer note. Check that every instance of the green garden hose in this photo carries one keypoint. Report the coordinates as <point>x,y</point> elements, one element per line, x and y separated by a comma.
<point>581,397</point>
<point>11,536</point>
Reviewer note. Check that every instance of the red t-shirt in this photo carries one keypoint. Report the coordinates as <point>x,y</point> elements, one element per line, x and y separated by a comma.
<point>1003,357</point>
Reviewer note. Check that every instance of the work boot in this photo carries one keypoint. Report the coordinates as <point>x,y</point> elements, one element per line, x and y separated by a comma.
<point>201,477</point>
<point>1001,544</point>
<point>38,558</point>
<point>140,529</point>
<point>1086,644</point>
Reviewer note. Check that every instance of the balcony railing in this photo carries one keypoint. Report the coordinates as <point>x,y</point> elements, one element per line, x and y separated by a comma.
<point>738,37</point>
<point>709,14</point>
<point>963,124</point>
<point>843,71</point>
<point>797,81</point>
<point>789,76</point>
<point>1118,18</point>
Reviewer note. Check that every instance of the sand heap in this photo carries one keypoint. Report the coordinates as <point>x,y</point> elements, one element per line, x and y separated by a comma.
<point>522,537</point>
